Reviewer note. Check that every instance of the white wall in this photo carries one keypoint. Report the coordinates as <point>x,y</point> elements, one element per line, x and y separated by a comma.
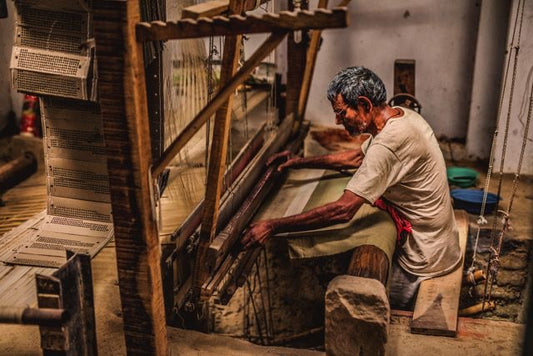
<point>490,58</point>
<point>439,35</point>
<point>9,99</point>
<point>520,102</point>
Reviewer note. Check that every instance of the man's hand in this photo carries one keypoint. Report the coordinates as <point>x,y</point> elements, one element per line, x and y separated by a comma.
<point>285,157</point>
<point>257,234</point>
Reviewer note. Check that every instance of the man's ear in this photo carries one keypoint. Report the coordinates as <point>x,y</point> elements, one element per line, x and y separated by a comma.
<point>365,103</point>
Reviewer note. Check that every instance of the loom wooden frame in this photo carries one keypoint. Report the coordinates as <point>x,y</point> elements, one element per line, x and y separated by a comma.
<point>124,102</point>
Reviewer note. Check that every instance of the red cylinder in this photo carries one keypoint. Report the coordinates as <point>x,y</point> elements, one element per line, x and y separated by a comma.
<point>30,120</point>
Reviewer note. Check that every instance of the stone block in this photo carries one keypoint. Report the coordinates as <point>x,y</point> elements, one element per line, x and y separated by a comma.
<point>514,261</point>
<point>357,317</point>
<point>511,278</point>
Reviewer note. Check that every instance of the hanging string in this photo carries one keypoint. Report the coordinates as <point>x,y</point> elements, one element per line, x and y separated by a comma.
<point>251,300</point>
<point>270,330</point>
<point>260,304</point>
<point>494,261</point>
<point>244,96</point>
<point>185,91</point>
<point>210,92</point>
<point>511,94</point>
<point>506,214</point>
<point>481,219</point>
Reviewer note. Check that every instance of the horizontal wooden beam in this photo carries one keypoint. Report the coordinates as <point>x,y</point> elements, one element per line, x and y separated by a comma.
<point>236,277</point>
<point>237,24</point>
<point>232,264</point>
<point>188,132</point>
<point>242,185</point>
<point>233,199</point>
<point>224,241</point>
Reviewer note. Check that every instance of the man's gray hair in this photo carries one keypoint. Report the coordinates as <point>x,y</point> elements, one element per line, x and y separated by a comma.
<point>354,82</point>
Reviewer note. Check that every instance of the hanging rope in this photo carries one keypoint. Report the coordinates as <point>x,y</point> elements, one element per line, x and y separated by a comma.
<point>494,259</point>
<point>494,262</point>
<point>244,93</point>
<point>210,91</point>
<point>481,219</point>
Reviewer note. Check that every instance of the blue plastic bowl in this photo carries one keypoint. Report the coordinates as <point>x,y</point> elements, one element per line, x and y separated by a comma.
<point>471,200</point>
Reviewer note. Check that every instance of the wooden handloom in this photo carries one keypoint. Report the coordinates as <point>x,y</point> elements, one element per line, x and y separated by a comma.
<point>119,36</point>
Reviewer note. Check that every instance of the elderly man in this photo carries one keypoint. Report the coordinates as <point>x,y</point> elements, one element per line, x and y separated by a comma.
<point>401,163</point>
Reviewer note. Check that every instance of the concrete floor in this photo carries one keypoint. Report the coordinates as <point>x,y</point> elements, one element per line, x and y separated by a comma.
<point>476,336</point>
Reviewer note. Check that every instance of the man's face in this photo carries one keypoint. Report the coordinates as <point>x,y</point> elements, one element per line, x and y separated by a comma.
<point>355,121</point>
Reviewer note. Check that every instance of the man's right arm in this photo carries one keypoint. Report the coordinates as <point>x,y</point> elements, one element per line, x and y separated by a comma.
<point>335,161</point>
<point>339,211</point>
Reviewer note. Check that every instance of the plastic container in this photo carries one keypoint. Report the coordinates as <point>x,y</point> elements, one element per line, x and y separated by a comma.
<point>471,200</point>
<point>461,177</point>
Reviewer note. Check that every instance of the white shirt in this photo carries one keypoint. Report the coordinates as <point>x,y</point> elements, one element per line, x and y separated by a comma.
<point>404,165</point>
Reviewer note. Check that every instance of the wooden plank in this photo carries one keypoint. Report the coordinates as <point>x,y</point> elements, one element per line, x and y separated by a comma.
<point>206,9</point>
<point>238,165</point>
<point>217,156</point>
<point>310,62</point>
<point>237,24</point>
<point>188,132</point>
<point>214,8</point>
<point>126,131</point>
<point>437,302</point>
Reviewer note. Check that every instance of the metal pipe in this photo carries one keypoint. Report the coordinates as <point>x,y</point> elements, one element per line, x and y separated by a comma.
<point>33,316</point>
<point>477,308</point>
<point>17,170</point>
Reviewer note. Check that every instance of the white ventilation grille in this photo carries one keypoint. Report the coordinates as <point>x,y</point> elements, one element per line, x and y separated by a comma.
<point>36,38</point>
<point>50,73</point>
<point>53,53</point>
<point>53,57</point>
<point>52,21</point>
<point>50,62</point>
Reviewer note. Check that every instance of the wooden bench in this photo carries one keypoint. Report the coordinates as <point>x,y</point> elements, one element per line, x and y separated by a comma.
<point>437,302</point>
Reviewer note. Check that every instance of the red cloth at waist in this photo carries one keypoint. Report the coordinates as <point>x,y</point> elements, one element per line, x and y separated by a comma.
<point>403,226</point>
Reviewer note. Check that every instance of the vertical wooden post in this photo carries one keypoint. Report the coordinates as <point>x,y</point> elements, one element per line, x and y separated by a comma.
<point>217,158</point>
<point>296,57</point>
<point>310,62</point>
<point>123,103</point>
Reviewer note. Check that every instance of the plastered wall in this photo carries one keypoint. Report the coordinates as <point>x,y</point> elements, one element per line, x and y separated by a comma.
<point>9,99</point>
<point>523,83</point>
<point>439,35</point>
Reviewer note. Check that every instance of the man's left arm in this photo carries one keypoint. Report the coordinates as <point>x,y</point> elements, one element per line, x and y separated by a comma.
<point>337,212</point>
